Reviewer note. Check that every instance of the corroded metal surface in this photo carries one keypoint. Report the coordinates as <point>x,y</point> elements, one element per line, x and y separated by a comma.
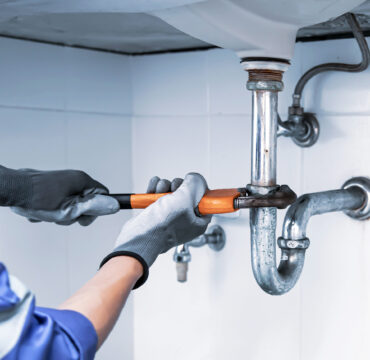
<point>265,75</point>
<point>280,197</point>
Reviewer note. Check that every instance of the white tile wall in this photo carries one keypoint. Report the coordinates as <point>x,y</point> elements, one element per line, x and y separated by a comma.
<point>71,108</point>
<point>168,147</point>
<point>101,146</point>
<point>27,69</point>
<point>336,92</point>
<point>226,83</point>
<point>337,262</point>
<point>39,259</point>
<point>65,108</point>
<point>158,92</point>
<point>221,313</point>
<point>98,82</point>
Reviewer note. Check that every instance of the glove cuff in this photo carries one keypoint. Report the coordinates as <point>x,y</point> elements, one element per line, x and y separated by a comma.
<point>15,188</point>
<point>145,266</point>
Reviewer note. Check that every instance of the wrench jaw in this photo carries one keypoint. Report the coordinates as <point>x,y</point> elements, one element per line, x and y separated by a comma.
<point>280,196</point>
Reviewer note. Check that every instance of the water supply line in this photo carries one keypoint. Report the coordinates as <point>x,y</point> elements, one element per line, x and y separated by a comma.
<point>361,66</point>
<point>265,81</point>
<point>303,127</point>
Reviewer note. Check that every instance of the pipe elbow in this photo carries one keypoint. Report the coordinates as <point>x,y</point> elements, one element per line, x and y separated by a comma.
<point>273,279</point>
<point>277,280</point>
<point>280,280</point>
<point>297,217</point>
<point>308,205</point>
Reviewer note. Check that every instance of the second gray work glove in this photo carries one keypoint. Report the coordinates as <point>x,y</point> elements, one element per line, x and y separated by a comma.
<point>169,222</point>
<point>62,196</point>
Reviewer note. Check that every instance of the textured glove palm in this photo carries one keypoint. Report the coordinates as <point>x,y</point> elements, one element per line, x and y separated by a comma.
<point>169,222</point>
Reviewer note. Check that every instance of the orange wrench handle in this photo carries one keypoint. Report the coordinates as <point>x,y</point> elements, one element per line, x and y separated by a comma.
<point>218,201</point>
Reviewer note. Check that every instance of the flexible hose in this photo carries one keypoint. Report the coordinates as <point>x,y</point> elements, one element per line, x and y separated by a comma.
<point>357,32</point>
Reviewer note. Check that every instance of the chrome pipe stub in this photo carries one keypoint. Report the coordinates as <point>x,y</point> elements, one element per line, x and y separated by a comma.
<point>363,183</point>
<point>216,238</point>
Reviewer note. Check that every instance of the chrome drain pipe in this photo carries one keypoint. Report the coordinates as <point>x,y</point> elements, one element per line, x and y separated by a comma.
<point>265,80</point>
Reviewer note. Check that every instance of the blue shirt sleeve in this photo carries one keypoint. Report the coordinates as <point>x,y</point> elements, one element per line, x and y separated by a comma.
<point>30,332</point>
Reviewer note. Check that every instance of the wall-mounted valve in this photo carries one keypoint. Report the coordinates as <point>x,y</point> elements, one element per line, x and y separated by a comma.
<point>303,127</point>
<point>214,237</point>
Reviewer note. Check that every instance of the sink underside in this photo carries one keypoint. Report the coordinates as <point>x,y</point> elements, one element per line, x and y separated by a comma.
<point>253,28</point>
<point>135,33</point>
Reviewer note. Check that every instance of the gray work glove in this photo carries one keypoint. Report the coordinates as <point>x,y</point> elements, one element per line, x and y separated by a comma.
<point>169,222</point>
<point>63,197</point>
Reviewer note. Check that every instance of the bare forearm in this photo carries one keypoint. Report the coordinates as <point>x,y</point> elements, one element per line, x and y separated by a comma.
<point>102,298</point>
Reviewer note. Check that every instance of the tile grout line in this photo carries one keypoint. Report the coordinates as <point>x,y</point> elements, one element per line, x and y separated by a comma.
<point>132,172</point>
<point>66,160</point>
<point>207,113</point>
<point>68,247</point>
<point>301,186</point>
<point>208,110</point>
<point>62,110</point>
<point>209,139</point>
<point>319,114</point>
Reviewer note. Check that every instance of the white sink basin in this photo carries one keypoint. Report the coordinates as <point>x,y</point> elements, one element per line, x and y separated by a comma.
<point>253,28</point>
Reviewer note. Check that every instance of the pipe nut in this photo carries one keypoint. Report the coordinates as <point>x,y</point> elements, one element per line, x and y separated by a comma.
<point>363,183</point>
<point>269,85</point>
<point>260,190</point>
<point>289,244</point>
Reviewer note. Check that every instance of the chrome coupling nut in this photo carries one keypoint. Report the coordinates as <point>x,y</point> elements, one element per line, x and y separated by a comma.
<point>363,183</point>
<point>289,244</point>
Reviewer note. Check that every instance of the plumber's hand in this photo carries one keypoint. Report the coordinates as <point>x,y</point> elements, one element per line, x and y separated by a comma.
<point>64,197</point>
<point>169,222</point>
